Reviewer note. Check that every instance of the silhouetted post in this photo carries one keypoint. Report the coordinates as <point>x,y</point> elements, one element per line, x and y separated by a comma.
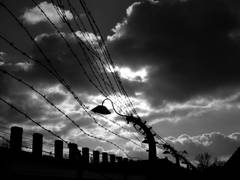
<point>96,157</point>
<point>16,138</point>
<point>105,157</point>
<point>119,159</point>
<point>112,158</point>
<point>37,144</point>
<point>149,135</point>
<point>58,149</point>
<point>73,151</point>
<point>85,154</point>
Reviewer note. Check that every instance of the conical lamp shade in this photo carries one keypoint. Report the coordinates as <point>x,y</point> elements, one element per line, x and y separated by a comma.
<point>101,110</point>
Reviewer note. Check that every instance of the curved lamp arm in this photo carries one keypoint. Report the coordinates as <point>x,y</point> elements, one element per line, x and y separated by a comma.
<point>136,121</point>
<point>113,107</point>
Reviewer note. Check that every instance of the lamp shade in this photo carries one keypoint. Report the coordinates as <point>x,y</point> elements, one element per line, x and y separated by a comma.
<point>101,110</point>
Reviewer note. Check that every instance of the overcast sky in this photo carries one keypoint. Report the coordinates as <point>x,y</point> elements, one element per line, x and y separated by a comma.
<point>178,61</point>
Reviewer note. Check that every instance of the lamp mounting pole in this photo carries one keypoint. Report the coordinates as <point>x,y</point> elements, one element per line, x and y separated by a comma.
<point>143,129</point>
<point>113,107</point>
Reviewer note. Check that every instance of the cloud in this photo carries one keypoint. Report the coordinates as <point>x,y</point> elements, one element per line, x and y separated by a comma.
<point>187,44</point>
<point>136,152</point>
<point>2,53</point>
<point>25,102</point>
<point>24,65</point>
<point>39,110</point>
<point>61,57</point>
<point>33,16</point>
<point>178,61</point>
<point>56,98</point>
<point>215,143</point>
<point>196,107</point>
<point>2,59</point>
<point>139,75</point>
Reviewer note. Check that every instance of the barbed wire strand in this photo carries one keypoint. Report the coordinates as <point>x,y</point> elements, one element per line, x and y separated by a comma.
<point>49,70</point>
<point>62,80</point>
<point>82,45</point>
<point>35,122</point>
<point>61,111</point>
<point>111,65</point>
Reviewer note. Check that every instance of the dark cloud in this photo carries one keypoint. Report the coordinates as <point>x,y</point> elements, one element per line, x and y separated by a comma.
<point>188,44</point>
<point>56,98</point>
<point>4,84</point>
<point>66,63</point>
<point>222,120</point>
<point>36,107</point>
<point>190,48</point>
<point>216,144</point>
<point>25,103</point>
<point>62,59</point>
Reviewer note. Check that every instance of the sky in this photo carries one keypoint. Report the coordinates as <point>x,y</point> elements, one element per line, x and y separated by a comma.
<point>177,59</point>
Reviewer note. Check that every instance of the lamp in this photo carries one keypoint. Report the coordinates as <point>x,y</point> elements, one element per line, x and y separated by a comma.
<point>101,109</point>
<point>143,128</point>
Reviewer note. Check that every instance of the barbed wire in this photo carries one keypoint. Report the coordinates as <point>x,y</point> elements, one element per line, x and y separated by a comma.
<point>4,138</point>
<point>35,122</point>
<point>88,52</point>
<point>49,70</point>
<point>82,45</point>
<point>119,125</point>
<point>55,73</point>
<point>72,9</point>
<point>111,64</point>
<point>61,81</point>
<point>41,51</point>
<point>88,40</point>
<point>59,110</point>
<point>94,26</point>
<point>67,43</point>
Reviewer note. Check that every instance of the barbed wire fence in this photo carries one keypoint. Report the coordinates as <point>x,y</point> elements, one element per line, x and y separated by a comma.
<point>99,68</point>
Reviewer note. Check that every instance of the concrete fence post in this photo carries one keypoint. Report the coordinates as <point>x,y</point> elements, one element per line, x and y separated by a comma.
<point>85,154</point>
<point>37,144</point>
<point>96,157</point>
<point>73,151</point>
<point>58,149</point>
<point>16,138</point>
<point>105,157</point>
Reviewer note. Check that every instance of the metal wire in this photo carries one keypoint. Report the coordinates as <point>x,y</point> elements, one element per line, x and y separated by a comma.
<point>61,111</point>
<point>52,71</point>
<point>88,53</point>
<point>35,122</point>
<point>106,52</point>
<point>62,82</point>
<point>65,20</point>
